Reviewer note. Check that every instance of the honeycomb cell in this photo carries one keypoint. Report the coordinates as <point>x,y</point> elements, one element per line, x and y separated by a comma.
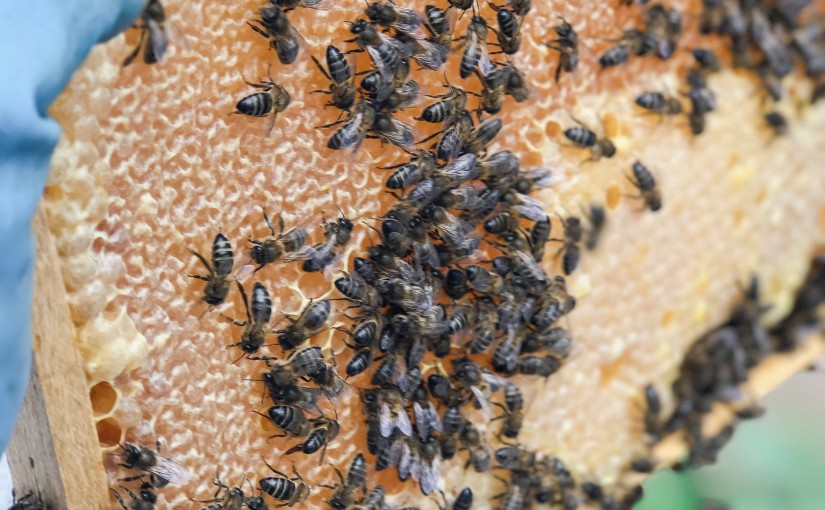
<point>104,398</point>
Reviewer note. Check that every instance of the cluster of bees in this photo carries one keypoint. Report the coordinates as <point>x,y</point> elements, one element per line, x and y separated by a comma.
<point>436,332</point>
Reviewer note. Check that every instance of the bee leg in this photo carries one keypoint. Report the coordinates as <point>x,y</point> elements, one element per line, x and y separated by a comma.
<point>128,60</point>
<point>253,27</point>
<point>119,499</point>
<point>237,323</point>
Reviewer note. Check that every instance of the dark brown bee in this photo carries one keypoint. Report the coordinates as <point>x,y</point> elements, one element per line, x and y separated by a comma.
<point>232,499</point>
<point>26,502</point>
<point>301,363</point>
<point>273,100</point>
<point>509,31</point>
<point>520,7</point>
<point>543,366</point>
<point>706,59</point>
<point>402,97</point>
<point>278,245</point>
<point>515,85</point>
<point>291,394</point>
<point>257,319</point>
<point>144,500</point>
<point>360,362</point>
<point>346,491</point>
<point>664,27</point>
<point>477,140</point>
<point>644,181</point>
<point>777,122</point>
<point>777,54</point>
<point>421,166</point>
<point>448,106</point>
<point>452,140</point>
<point>309,323</point>
<point>163,471</point>
<point>583,137</point>
<point>539,235</point>
<point>322,431</point>
<point>288,5</point>
<point>337,235</point>
<point>289,419</point>
<point>155,34</point>
<point>217,282</point>
<point>341,77</point>
<point>656,102</point>
<point>455,283</point>
<point>702,100</point>
<point>572,237</point>
<point>274,25</point>
<point>441,25</point>
<point>388,15</point>
<point>464,500</point>
<point>513,411</point>
<point>386,407</point>
<point>493,92</point>
<point>567,44</point>
<point>355,128</point>
<point>392,130</point>
<point>632,42</point>
<point>475,53</point>
<point>462,4</point>
<point>356,289</point>
<point>596,217</point>
<point>282,488</point>
<point>387,53</point>
<point>472,440</point>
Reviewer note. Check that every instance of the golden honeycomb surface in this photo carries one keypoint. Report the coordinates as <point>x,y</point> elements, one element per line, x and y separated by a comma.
<point>152,164</point>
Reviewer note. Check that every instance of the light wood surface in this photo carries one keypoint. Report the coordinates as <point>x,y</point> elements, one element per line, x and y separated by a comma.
<point>54,450</point>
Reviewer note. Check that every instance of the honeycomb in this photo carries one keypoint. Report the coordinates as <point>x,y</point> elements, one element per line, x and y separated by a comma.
<point>151,164</point>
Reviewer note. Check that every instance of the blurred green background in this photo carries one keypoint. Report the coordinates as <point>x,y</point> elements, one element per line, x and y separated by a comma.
<point>776,462</point>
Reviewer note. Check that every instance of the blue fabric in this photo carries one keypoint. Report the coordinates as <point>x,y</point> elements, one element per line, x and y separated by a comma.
<point>42,42</point>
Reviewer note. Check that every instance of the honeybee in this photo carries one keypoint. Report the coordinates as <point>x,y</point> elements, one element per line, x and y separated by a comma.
<point>452,139</point>
<point>471,440</point>
<point>341,76</point>
<point>388,15</point>
<point>292,394</point>
<point>707,59</point>
<point>278,245</point>
<point>287,418</point>
<point>422,165</point>
<point>404,96</point>
<point>567,44</point>
<point>273,100</point>
<point>656,102</point>
<point>475,53</point>
<point>447,107</point>
<point>162,471</point>
<point>257,319</point>
<point>392,130</point>
<point>509,31</point>
<point>584,137</point>
<point>303,362</point>
<point>441,25</point>
<point>307,325</point>
<point>322,430</point>
<point>233,498</point>
<point>632,42</point>
<point>288,5</point>
<point>777,53</point>
<point>355,128</point>
<point>520,7</point>
<point>477,140</point>
<point>387,53</point>
<point>663,27</point>
<point>274,25</point>
<point>217,282</point>
<point>338,234</point>
<point>282,488</point>
<point>385,406</point>
<point>144,500</point>
<point>597,217</point>
<point>543,366</point>
<point>155,34</point>
<point>644,181</point>
<point>346,490</point>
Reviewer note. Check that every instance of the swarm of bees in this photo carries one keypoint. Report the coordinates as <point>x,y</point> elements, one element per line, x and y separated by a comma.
<point>436,331</point>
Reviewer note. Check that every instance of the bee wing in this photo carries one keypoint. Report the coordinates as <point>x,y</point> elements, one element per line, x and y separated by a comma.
<point>543,177</point>
<point>485,65</point>
<point>425,253</point>
<point>289,46</point>
<point>380,66</point>
<point>406,463</point>
<point>170,470</point>
<point>401,135</point>
<point>494,381</point>
<point>159,38</point>
<point>530,208</point>
<point>386,424</point>
<point>322,5</point>
<point>411,91</point>
<point>352,134</point>
<point>430,55</point>
<point>482,400</point>
<point>455,230</point>
<point>409,22</point>
<point>244,272</point>
<point>462,169</point>
<point>402,421</point>
<point>430,474</point>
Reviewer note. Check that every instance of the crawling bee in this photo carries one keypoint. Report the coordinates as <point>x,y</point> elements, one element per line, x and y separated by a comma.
<point>472,440</point>
<point>338,234</point>
<point>475,53</point>
<point>519,7</point>
<point>282,488</point>
<point>570,244</point>
<point>453,137</point>
<point>289,419</point>
<point>257,319</point>
<point>386,14</point>
<point>322,430</point>
<point>447,107</point>
<point>278,245</point>
<point>308,324</point>
<point>341,76</point>
<point>596,217</point>
<point>387,53</point>
<point>274,25</point>
<point>777,53</point>
<point>271,101</point>
<point>421,166</point>
<point>292,394</point>
<point>232,499</point>
<point>404,96</point>
<point>144,500</point>
<point>217,282</point>
<point>707,59</point>
<point>512,79</point>
<point>584,137</point>
<point>478,139</point>
<point>441,25</point>
<point>777,122</point>
<point>386,407</point>
<point>644,181</point>
<point>632,42</point>
<point>567,44</point>
<point>509,31</point>
<point>346,491</point>
<point>391,130</point>
<point>288,5</point>
<point>155,34</point>
<point>354,288</point>
<point>356,126</point>
<point>663,27</point>
<point>301,363</point>
<point>162,471</point>
<point>659,103</point>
